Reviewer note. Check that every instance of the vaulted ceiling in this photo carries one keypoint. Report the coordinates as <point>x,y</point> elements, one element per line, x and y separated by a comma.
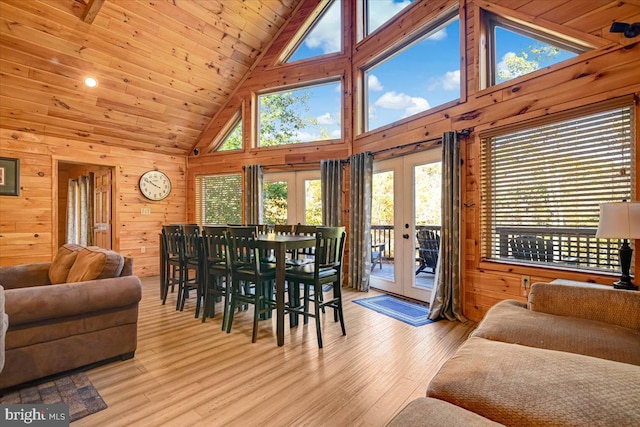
<point>164,67</point>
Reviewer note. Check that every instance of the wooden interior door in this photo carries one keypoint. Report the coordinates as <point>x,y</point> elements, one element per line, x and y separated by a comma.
<point>102,208</point>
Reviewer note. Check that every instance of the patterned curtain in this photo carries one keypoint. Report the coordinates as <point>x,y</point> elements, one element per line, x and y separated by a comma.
<point>361,176</point>
<point>445,299</point>
<point>253,178</point>
<point>331,182</point>
<point>80,219</point>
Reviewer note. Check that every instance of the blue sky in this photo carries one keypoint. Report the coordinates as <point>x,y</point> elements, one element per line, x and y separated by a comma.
<point>421,76</point>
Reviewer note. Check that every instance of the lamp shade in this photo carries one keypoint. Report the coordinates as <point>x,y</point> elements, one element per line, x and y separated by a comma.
<point>619,220</point>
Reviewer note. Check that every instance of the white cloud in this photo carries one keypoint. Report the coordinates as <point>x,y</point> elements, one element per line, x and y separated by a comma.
<point>307,136</point>
<point>325,34</point>
<point>336,134</point>
<point>438,35</point>
<point>382,10</point>
<point>326,119</point>
<point>374,83</point>
<point>449,81</point>
<point>401,101</point>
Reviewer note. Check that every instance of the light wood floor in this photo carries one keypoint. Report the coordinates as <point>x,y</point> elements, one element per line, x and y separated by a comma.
<point>186,373</point>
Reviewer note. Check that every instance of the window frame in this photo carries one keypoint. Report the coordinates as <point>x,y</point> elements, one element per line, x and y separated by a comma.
<point>226,130</point>
<point>198,199</point>
<point>487,50</point>
<point>486,228</point>
<point>423,32</point>
<point>307,84</point>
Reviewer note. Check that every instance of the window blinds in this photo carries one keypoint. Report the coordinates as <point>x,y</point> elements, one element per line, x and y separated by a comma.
<point>547,181</point>
<point>219,199</point>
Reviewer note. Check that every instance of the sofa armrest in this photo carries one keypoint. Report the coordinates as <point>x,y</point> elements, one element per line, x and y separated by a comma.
<point>28,305</point>
<point>587,301</point>
<point>25,276</point>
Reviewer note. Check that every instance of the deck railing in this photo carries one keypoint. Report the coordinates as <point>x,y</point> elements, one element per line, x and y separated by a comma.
<point>384,234</point>
<point>572,246</point>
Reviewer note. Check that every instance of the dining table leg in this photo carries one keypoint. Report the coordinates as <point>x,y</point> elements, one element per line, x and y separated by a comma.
<point>280,285</point>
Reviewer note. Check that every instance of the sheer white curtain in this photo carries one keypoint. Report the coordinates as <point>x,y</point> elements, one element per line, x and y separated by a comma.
<point>80,211</point>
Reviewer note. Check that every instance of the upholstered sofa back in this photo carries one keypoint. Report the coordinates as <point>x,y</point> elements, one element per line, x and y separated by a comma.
<point>72,264</point>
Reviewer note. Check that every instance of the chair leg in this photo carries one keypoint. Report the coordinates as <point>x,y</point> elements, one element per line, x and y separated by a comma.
<point>232,305</point>
<point>317,303</point>
<point>306,303</point>
<point>337,295</point>
<point>225,315</point>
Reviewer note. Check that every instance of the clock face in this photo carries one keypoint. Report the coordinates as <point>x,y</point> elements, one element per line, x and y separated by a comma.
<point>155,185</point>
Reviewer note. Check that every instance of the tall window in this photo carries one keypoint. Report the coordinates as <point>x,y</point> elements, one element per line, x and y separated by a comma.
<point>377,12</point>
<point>293,116</point>
<point>415,78</point>
<point>322,36</point>
<point>219,199</point>
<point>542,187</point>
<point>515,50</point>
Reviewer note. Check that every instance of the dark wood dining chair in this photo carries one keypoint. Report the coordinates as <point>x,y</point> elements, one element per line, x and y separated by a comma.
<point>326,269</point>
<point>173,254</point>
<point>248,265</point>
<point>216,272</point>
<point>193,259</point>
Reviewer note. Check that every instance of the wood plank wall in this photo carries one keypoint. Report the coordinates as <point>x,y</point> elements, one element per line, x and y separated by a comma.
<point>27,221</point>
<point>27,232</point>
<point>607,72</point>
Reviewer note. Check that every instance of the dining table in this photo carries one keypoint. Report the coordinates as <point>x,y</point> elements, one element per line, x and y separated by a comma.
<point>279,244</point>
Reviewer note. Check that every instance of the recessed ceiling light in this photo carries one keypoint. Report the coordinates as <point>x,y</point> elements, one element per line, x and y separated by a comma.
<point>90,82</point>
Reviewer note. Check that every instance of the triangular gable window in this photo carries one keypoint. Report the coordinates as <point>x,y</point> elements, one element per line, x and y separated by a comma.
<point>320,36</point>
<point>232,139</point>
<point>515,50</point>
<point>378,12</point>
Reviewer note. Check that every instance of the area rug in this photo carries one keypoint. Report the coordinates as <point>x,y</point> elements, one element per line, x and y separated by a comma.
<point>74,390</point>
<point>406,311</point>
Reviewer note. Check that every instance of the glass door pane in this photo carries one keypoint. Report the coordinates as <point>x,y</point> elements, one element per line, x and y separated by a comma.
<point>274,197</point>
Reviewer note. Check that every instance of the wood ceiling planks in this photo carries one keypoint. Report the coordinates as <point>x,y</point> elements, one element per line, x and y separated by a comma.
<point>164,67</point>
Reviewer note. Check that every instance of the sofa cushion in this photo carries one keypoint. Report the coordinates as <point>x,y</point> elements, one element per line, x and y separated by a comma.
<point>62,263</point>
<point>518,385</point>
<point>510,321</point>
<point>426,411</point>
<point>95,263</point>
<point>587,301</point>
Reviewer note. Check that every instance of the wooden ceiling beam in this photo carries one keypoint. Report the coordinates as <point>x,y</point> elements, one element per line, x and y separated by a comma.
<point>92,10</point>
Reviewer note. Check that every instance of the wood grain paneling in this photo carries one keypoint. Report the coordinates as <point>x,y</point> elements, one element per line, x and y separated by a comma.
<point>27,221</point>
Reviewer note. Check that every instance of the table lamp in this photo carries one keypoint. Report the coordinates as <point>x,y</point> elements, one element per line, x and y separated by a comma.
<point>621,220</point>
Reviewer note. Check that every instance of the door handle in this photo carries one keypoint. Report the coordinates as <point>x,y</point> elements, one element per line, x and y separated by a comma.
<point>405,236</point>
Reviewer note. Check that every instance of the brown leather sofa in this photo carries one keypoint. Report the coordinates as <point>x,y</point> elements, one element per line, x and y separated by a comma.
<point>79,309</point>
<point>570,356</point>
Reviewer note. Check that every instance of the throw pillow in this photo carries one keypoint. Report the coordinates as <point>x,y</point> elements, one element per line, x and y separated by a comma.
<point>62,263</point>
<point>95,263</point>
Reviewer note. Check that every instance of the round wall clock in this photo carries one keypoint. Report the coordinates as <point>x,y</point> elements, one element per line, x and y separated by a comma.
<point>155,185</point>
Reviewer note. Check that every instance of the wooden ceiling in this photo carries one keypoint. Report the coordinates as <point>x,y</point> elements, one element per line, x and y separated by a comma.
<point>164,67</point>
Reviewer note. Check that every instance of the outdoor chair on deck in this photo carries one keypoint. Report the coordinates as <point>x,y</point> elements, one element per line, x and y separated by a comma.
<point>326,269</point>
<point>531,248</point>
<point>428,247</point>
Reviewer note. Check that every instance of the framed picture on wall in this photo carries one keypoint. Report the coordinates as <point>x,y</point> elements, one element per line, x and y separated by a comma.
<point>9,176</point>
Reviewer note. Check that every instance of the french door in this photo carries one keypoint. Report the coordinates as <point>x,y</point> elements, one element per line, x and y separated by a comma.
<point>292,198</point>
<point>406,198</point>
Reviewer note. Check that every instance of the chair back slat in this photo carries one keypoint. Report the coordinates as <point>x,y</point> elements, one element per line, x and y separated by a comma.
<point>173,240</point>
<point>214,242</point>
<point>242,248</point>
<point>329,247</point>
